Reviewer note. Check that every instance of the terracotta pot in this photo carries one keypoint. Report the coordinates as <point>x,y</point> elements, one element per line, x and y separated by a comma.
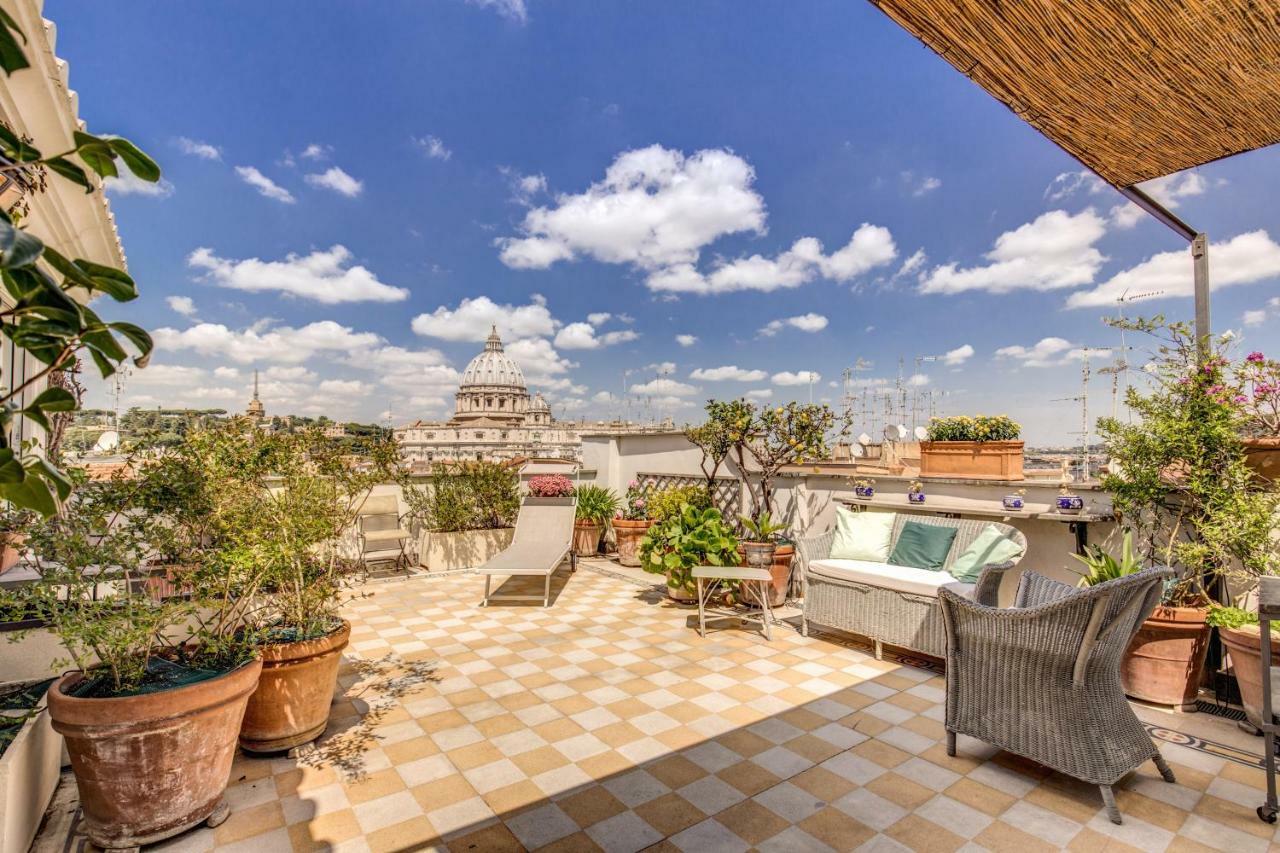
<point>1164,662</point>
<point>629,533</point>
<point>1245,646</point>
<point>11,554</point>
<point>979,460</point>
<point>1263,456</point>
<point>151,766</point>
<point>586,538</point>
<point>682,594</point>
<point>291,705</point>
<point>781,571</point>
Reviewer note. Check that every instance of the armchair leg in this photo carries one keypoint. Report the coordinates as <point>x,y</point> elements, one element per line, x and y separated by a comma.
<point>1166,772</point>
<point>1109,800</point>
<point>951,743</point>
<point>879,650</point>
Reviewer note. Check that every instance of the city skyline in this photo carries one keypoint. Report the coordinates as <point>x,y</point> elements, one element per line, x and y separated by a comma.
<point>626,209</point>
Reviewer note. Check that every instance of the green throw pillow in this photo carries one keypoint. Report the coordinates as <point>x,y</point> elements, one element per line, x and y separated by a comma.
<point>862,535</point>
<point>991,546</point>
<point>923,546</point>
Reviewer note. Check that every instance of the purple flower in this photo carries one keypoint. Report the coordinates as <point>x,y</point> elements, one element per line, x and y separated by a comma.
<point>1240,398</point>
<point>1255,357</point>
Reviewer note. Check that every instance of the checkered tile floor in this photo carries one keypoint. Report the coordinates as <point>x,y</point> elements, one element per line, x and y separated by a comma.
<point>605,722</point>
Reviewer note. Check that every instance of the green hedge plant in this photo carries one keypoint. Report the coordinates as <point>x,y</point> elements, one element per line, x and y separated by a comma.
<point>691,537</point>
<point>974,428</point>
<point>461,496</point>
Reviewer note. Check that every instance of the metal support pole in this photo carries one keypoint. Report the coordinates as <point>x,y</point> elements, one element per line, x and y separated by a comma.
<point>1268,608</point>
<point>1200,260</point>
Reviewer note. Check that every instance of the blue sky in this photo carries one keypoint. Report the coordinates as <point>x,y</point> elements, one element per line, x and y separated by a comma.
<point>353,193</point>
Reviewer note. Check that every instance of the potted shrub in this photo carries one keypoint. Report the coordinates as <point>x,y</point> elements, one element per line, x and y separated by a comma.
<point>1257,390</point>
<point>1242,637</point>
<point>915,492</point>
<point>284,502</point>
<point>685,539</point>
<point>157,688</point>
<point>466,510</point>
<point>665,503</point>
<point>550,486</point>
<point>631,523</point>
<point>759,550</point>
<point>1182,485</point>
<point>1067,501</point>
<point>864,488</point>
<point>595,506</point>
<point>981,447</point>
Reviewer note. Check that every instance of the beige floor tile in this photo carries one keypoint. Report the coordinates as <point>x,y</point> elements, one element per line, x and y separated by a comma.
<point>751,822</point>
<point>249,822</point>
<point>836,829</point>
<point>917,833</point>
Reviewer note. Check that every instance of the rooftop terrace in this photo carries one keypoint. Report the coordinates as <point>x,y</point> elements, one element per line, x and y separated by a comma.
<point>606,722</point>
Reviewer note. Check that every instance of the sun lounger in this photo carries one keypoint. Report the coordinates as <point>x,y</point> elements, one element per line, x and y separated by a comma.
<point>541,542</point>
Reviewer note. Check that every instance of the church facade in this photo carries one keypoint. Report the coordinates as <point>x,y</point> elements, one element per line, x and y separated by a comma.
<point>494,418</point>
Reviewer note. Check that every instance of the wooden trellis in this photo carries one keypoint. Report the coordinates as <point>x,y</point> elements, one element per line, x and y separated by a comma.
<point>726,494</point>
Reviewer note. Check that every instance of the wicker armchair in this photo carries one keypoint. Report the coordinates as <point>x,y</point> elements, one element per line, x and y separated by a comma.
<point>888,616</point>
<point>1042,679</point>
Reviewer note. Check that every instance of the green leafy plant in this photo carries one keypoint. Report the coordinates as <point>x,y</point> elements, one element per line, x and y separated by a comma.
<point>596,504</point>
<point>476,495</point>
<point>783,435</point>
<point>974,428</point>
<point>692,537</point>
<point>1178,474</point>
<point>1103,567</point>
<point>665,503</point>
<point>725,426</point>
<point>635,504</point>
<point>46,315</point>
<point>761,528</point>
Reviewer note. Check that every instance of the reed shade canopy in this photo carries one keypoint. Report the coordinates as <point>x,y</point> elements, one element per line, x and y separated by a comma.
<point>1134,89</point>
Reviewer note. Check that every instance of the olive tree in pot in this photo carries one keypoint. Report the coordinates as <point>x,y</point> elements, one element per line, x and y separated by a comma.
<point>158,687</point>
<point>283,503</point>
<point>1180,481</point>
<point>685,539</point>
<point>595,507</point>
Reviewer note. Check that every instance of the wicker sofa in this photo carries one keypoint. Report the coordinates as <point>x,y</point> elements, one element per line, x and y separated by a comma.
<point>896,605</point>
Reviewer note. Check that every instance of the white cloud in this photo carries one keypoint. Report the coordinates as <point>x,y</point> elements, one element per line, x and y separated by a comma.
<point>654,208</point>
<point>279,345</point>
<point>958,356</point>
<point>869,247</point>
<point>912,264</point>
<point>199,149</point>
<point>512,10</point>
<point>801,377</point>
<point>473,318</point>
<point>583,336</point>
<point>344,387</point>
<point>1254,318</point>
<point>731,373</point>
<point>170,374</point>
<point>599,318</point>
<point>1047,352</point>
<point>1056,250</point>
<point>917,380</point>
<point>322,275</point>
<point>336,180</point>
<point>805,322</point>
<point>316,151</point>
<point>541,364</point>
<point>184,305</point>
<point>604,398</point>
<point>1168,190</point>
<point>524,187</point>
<point>661,367</point>
<point>1244,259</point>
<point>1068,184</point>
<point>686,340</point>
<point>433,147</point>
<point>224,372</point>
<point>130,184</point>
<point>759,393</point>
<point>663,386</point>
<point>264,185</point>
<point>921,186</point>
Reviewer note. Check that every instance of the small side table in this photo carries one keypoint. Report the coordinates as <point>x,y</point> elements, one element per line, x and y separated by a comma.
<point>757,586</point>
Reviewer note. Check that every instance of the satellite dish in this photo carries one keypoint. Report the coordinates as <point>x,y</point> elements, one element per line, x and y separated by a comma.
<point>857,451</point>
<point>895,432</point>
<point>864,439</point>
<point>921,433</point>
<point>107,442</point>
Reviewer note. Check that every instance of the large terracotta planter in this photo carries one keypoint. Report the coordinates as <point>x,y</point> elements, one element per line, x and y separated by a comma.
<point>781,571</point>
<point>1165,660</point>
<point>1263,456</point>
<point>978,460</point>
<point>11,552</point>
<point>629,532</point>
<point>1245,646</point>
<point>291,705</point>
<point>586,538</point>
<point>151,766</point>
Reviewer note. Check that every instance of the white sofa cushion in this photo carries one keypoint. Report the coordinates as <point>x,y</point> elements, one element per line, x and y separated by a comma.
<point>889,576</point>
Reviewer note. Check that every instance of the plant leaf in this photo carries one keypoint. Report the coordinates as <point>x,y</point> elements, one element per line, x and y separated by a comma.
<point>18,248</point>
<point>135,158</point>
<point>73,173</point>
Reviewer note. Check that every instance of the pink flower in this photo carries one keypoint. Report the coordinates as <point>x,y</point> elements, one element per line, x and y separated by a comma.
<point>1240,398</point>
<point>1255,357</point>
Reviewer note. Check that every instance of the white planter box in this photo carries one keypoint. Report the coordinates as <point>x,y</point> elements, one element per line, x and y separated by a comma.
<point>442,552</point>
<point>29,771</point>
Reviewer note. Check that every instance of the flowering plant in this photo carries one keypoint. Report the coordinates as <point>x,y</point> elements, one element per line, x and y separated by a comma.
<point>550,486</point>
<point>1258,395</point>
<point>976,428</point>
<point>635,506</point>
